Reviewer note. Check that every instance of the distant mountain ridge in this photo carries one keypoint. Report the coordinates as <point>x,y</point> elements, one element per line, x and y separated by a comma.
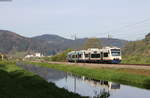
<point>47,44</point>
<point>78,42</point>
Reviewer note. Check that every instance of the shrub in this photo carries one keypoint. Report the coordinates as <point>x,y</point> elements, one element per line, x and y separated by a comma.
<point>61,56</point>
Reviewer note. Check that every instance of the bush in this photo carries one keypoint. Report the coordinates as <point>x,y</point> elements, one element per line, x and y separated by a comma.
<point>61,56</point>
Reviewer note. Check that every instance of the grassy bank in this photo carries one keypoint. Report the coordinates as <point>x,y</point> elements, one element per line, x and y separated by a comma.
<point>124,76</point>
<point>136,59</point>
<point>18,83</point>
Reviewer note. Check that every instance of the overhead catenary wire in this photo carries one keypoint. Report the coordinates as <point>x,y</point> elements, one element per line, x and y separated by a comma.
<point>133,26</point>
<point>129,25</point>
<point>120,30</point>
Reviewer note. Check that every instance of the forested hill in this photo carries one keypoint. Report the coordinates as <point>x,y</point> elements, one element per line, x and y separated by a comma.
<point>68,43</point>
<point>10,42</point>
<point>140,47</point>
<point>137,52</point>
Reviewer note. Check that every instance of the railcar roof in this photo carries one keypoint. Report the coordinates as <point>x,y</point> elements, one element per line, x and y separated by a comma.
<point>93,50</point>
<point>110,48</point>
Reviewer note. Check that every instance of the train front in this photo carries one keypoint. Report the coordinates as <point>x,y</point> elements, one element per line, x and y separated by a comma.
<point>115,55</point>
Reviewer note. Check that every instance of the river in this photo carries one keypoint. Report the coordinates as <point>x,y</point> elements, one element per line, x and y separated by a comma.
<point>85,86</point>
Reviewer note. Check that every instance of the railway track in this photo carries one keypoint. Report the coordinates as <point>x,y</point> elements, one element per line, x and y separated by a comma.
<point>104,64</point>
<point>96,65</point>
<point>101,65</point>
<point>136,64</point>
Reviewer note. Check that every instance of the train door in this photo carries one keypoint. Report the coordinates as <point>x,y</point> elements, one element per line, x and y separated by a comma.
<point>78,57</point>
<point>102,56</point>
<point>89,57</point>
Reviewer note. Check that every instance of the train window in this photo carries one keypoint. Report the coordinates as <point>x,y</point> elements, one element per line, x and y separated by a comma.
<point>69,56</point>
<point>79,55</point>
<point>98,55</point>
<point>74,56</point>
<point>115,53</point>
<point>105,54</point>
<point>116,50</point>
<point>86,55</point>
<point>95,55</point>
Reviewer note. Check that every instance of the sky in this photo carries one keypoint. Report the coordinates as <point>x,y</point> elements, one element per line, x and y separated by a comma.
<point>123,19</point>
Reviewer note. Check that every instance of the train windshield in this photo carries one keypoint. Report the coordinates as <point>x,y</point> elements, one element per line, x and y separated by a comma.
<point>115,52</point>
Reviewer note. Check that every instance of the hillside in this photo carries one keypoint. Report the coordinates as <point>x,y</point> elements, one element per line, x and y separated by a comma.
<point>138,51</point>
<point>140,47</point>
<point>68,43</point>
<point>12,42</point>
<point>46,44</point>
<point>57,43</point>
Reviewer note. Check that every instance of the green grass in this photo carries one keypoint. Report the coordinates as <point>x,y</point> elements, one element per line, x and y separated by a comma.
<point>18,83</point>
<point>115,75</point>
<point>137,52</point>
<point>136,59</point>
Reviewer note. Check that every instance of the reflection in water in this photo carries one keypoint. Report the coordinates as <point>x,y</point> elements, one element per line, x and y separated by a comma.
<point>85,86</point>
<point>104,94</point>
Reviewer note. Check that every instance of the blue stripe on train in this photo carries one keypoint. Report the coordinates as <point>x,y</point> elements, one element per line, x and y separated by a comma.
<point>116,61</point>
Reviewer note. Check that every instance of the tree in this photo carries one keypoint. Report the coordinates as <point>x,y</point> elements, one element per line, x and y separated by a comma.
<point>147,39</point>
<point>61,56</point>
<point>92,43</point>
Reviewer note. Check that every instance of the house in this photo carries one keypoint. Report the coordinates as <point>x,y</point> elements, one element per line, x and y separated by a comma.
<point>34,55</point>
<point>2,56</point>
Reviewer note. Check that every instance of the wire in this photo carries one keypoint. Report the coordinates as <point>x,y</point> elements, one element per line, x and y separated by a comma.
<point>130,25</point>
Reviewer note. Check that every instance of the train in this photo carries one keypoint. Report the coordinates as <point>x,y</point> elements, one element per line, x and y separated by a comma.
<point>96,55</point>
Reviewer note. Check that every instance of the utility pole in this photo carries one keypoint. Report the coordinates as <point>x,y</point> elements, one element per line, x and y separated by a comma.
<point>109,36</point>
<point>2,57</point>
<point>75,38</point>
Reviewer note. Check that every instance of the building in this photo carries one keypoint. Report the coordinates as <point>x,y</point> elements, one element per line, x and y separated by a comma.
<point>34,55</point>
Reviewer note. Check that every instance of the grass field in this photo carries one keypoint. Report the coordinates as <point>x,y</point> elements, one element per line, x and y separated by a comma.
<point>136,59</point>
<point>138,78</point>
<point>18,83</point>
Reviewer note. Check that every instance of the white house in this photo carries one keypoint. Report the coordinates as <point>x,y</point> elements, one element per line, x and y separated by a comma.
<point>34,55</point>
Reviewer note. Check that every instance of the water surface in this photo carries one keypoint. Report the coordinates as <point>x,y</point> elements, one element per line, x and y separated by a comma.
<point>85,86</point>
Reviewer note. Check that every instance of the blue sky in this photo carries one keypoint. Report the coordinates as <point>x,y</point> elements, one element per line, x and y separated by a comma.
<point>86,18</point>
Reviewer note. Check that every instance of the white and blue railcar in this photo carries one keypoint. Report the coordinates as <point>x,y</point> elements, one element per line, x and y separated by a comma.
<point>111,55</point>
<point>104,55</point>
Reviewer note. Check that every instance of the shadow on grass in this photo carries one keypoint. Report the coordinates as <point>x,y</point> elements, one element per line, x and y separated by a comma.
<point>2,66</point>
<point>147,84</point>
<point>17,85</point>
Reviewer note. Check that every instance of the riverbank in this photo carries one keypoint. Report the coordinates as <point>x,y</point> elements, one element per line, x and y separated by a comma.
<point>18,83</point>
<point>135,77</point>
